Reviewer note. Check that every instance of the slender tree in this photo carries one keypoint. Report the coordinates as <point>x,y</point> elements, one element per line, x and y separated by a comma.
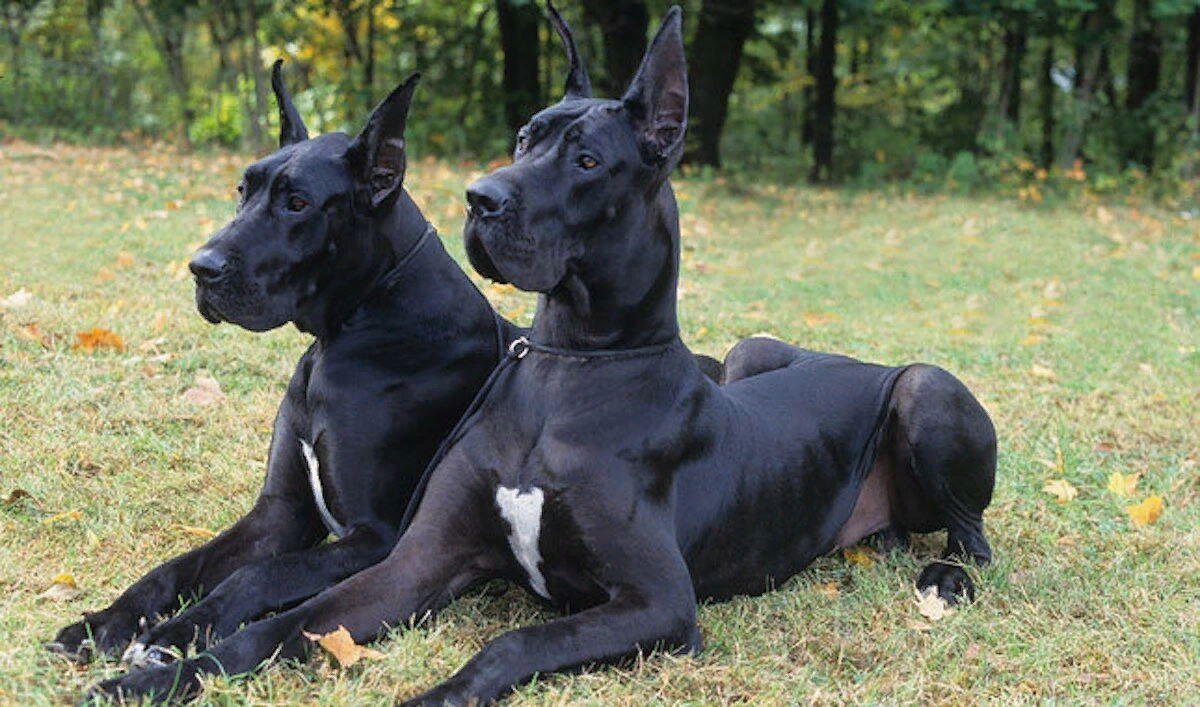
<point>623,25</point>
<point>826,87</point>
<point>519,23</point>
<point>714,60</point>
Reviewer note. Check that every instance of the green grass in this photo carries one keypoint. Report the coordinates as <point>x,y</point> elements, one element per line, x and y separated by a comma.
<point>1077,327</point>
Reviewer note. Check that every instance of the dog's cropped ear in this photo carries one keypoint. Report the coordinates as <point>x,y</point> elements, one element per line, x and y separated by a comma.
<point>578,84</point>
<point>291,127</point>
<point>657,99</point>
<point>376,157</point>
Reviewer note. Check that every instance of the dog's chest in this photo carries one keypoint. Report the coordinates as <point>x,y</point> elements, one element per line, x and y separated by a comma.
<point>522,511</point>
<point>313,465</point>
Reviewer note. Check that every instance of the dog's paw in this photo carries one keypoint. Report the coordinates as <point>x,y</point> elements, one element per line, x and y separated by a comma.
<point>104,633</point>
<point>950,579</point>
<point>170,684</point>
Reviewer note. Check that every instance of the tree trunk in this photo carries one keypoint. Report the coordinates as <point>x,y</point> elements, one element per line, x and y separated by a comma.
<point>623,25</point>
<point>369,58</point>
<point>1192,64</point>
<point>1046,79</point>
<point>1145,60</point>
<point>252,68</point>
<point>519,41</point>
<point>810,66</point>
<point>822,134</point>
<point>716,55</point>
<point>167,26</point>
<point>1009,105</point>
<point>1093,30</point>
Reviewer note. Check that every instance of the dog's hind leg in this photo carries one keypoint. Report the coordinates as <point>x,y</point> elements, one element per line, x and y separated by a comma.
<point>758,354</point>
<point>945,444</point>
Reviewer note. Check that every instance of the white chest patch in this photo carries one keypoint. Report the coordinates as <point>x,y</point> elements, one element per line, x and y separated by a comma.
<point>314,480</point>
<point>523,511</point>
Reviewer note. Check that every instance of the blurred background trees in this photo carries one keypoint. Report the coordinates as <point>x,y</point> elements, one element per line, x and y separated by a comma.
<point>863,91</point>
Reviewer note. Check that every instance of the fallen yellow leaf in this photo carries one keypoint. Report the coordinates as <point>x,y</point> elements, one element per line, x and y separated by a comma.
<point>1039,371</point>
<point>1061,489</point>
<point>1147,511</point>
<point>67,515</point>
<point>124,259</point>
<point>828,590</point>
<point>817,319</point>
<point>193,530</point>
<point>98,338</point>
<point>1122,484</point>
<point>859,555</point>
<point>1031,340</point>
<point>63,589</point>
<point>342,647</point>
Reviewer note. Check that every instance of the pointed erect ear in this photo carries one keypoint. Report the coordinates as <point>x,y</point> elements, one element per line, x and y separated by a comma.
<point>657,99</point>
<point>578,84</point>
<point>376,156</point>
<point>291,128</point>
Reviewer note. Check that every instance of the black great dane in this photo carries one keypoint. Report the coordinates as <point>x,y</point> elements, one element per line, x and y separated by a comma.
<point>600,467</point>
<point>326,237</point>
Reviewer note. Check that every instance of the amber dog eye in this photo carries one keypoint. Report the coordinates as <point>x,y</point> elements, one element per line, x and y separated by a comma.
<point>587,162</point>
<point>295,203</point>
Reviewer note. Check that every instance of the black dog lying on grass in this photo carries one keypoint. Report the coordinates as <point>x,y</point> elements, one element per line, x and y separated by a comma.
<point>600,467</point>
<point>325,237</point>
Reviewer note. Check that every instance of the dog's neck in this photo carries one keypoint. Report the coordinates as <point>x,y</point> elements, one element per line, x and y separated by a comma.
<point>365,264</point>
<point>621,303</point>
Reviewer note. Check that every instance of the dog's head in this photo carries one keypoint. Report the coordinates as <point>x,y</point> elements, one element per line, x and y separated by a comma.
<point>571,211</point>
<point>306,221</point>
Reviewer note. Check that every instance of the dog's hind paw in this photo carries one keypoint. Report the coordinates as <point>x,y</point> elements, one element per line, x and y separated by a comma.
<point>950,579</point>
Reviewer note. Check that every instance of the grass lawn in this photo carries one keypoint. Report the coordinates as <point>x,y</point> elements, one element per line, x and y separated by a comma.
<point>1078,328</point>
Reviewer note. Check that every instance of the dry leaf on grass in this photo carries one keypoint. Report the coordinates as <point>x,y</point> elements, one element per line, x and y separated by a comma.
<point>63,589</point>
<point>932,606</point>
<point>829,590</point>
<point>342,647</point>
<point>20,298</point>
<point>67,515</point>
<point>859,555</point>
<point>199,532</point>
<point>818,319</point>
<point>98,338</point>
<point>206,391</point>
<point>16,495</point>
<point>1061,489</point>
<point>1147,511</point>
<point>1040,371</point>
<point>1122,484</point>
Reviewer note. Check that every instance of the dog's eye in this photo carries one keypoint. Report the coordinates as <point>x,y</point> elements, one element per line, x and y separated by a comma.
<point>587,162</point>
<point>241,193</point>
<point>295,203</point>
<point>522,139</point>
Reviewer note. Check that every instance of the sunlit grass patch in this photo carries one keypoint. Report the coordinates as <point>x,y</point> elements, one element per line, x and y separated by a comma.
<point>1078,328</point>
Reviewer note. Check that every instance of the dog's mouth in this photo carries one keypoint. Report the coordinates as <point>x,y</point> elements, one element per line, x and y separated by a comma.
<point>479,258</point>
<point>206,308</point>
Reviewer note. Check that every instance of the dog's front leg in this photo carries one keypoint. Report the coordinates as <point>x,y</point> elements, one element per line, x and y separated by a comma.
<point>432,563</point>
<point>659,611</point>
<point>272,526</point>
<point>259,587</point>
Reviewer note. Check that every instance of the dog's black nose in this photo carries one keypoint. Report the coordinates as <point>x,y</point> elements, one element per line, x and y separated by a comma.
<point>207,265</point>
<point>487,197</point>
